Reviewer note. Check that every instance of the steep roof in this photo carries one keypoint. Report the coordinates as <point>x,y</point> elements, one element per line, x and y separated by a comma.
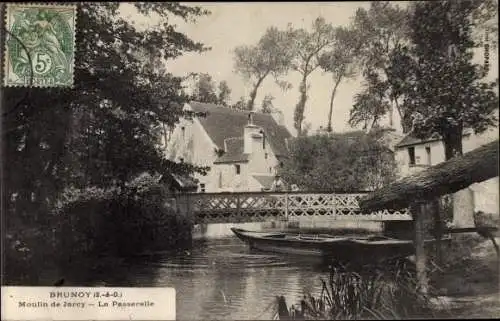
<point>223,122</point>
<point>233,151</point>
<point>448,177</point>
<point>265,181</point>
<point>410,139</point>
<point>390,138</point>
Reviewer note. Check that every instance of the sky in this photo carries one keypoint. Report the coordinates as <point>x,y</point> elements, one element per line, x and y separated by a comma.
<point>243,23</point>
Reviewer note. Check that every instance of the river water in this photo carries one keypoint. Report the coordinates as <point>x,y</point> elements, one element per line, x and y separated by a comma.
<point>218,278</point>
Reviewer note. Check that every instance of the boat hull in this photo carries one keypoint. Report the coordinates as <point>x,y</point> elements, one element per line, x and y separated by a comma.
<point>331,248</point>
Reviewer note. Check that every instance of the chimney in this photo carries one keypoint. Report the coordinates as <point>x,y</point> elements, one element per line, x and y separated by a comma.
<point>250,118</point>
<point>252,136</point>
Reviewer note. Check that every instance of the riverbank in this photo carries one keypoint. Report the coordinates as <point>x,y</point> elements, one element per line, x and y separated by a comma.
<point>463,284</point>
<point>467,281</point>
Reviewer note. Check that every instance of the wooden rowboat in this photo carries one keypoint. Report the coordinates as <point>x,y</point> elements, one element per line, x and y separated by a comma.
<point>339,248</point>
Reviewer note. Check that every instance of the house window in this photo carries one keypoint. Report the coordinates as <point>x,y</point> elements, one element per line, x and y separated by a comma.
<point>428,152</point>
<point>265,155</point>
<point>238,169</point>
<point>183,129</point>
<point>411,153</point>
<point>270,169</point>
<point>202,188</point>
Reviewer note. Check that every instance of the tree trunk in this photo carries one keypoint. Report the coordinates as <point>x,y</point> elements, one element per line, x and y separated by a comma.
<point>452,140</point>
<point>329,127</point>
<point>253,94</point>
<point>463,200</point>
<point>391,116</point>
<point>299,108</point>
<point>418,210</point>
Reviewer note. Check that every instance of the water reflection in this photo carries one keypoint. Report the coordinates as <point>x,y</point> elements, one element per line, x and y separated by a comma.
<point>216,279</point>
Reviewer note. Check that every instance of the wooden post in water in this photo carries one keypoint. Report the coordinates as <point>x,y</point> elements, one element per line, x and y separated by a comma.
<point>418,212</point>
<point>438,228</point>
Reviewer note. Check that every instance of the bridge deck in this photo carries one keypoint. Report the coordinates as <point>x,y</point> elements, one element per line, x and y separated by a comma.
<point>265,206</point>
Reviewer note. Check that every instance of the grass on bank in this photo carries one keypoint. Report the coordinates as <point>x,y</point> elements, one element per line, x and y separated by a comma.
<point>463,282</point>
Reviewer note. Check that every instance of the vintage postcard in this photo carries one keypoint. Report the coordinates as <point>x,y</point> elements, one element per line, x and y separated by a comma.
<point>40,46</point>
<point>249,161</point>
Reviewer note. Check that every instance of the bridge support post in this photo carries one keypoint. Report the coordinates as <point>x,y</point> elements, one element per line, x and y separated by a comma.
<point>418,212</point>
<point>184,208</point>
<point>286,207</point>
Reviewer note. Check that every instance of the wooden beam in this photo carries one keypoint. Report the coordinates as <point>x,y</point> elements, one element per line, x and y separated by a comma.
<point>448,177</point>
<point>418,209</point>
<point>438,227</point>
<point>480,230</point>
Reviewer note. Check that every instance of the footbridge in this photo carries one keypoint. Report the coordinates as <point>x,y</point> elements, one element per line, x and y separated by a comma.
<point>241,207</point>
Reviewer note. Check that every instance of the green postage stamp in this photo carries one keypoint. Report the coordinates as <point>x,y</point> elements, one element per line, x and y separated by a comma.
<point>40,45</point>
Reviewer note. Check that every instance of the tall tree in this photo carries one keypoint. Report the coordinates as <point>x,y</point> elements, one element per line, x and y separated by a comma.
<point>240,104</point>
<point>224,93</point>
<point>98,133</point>
<point>340,62</point>
<point>267,104</point>
<point>381,29</point>
<point>370,105</point>
<point>308,46</point>
<point>270,56</point>
<point>204,90</point>
<point>447,92</point>
<point>339,162</point>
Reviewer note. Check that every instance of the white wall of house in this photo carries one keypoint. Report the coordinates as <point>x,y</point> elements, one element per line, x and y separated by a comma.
<point>225,177</point>
<point>485,194</point>
<point>190,142</point>
<point>426,154</point>
<point>261,161</point>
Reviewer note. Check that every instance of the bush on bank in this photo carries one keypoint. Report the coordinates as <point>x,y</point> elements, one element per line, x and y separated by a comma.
<point>94,222</point>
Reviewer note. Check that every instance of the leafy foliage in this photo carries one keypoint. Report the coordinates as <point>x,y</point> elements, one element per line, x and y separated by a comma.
<point>340,62</point>
<point>267,104</point>
<point>307,47</point>
<point>392,36</point>
<point>342,162</point>
<point>382,29</point>
<point>241,104</point>
<point>98,133</point>
<point>102,132</point>
<point>270,56</point>
<point>371,104</point>
<point>446,91</point>
<point>368,293</point>
<point>206,90</point>
<point>224,93</point>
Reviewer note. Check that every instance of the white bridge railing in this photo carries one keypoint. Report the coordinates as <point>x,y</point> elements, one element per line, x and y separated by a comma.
<point>265,206</point>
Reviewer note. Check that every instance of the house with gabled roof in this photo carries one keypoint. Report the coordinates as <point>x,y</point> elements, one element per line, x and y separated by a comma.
<point>243,149</point>
<point>414,155</point>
